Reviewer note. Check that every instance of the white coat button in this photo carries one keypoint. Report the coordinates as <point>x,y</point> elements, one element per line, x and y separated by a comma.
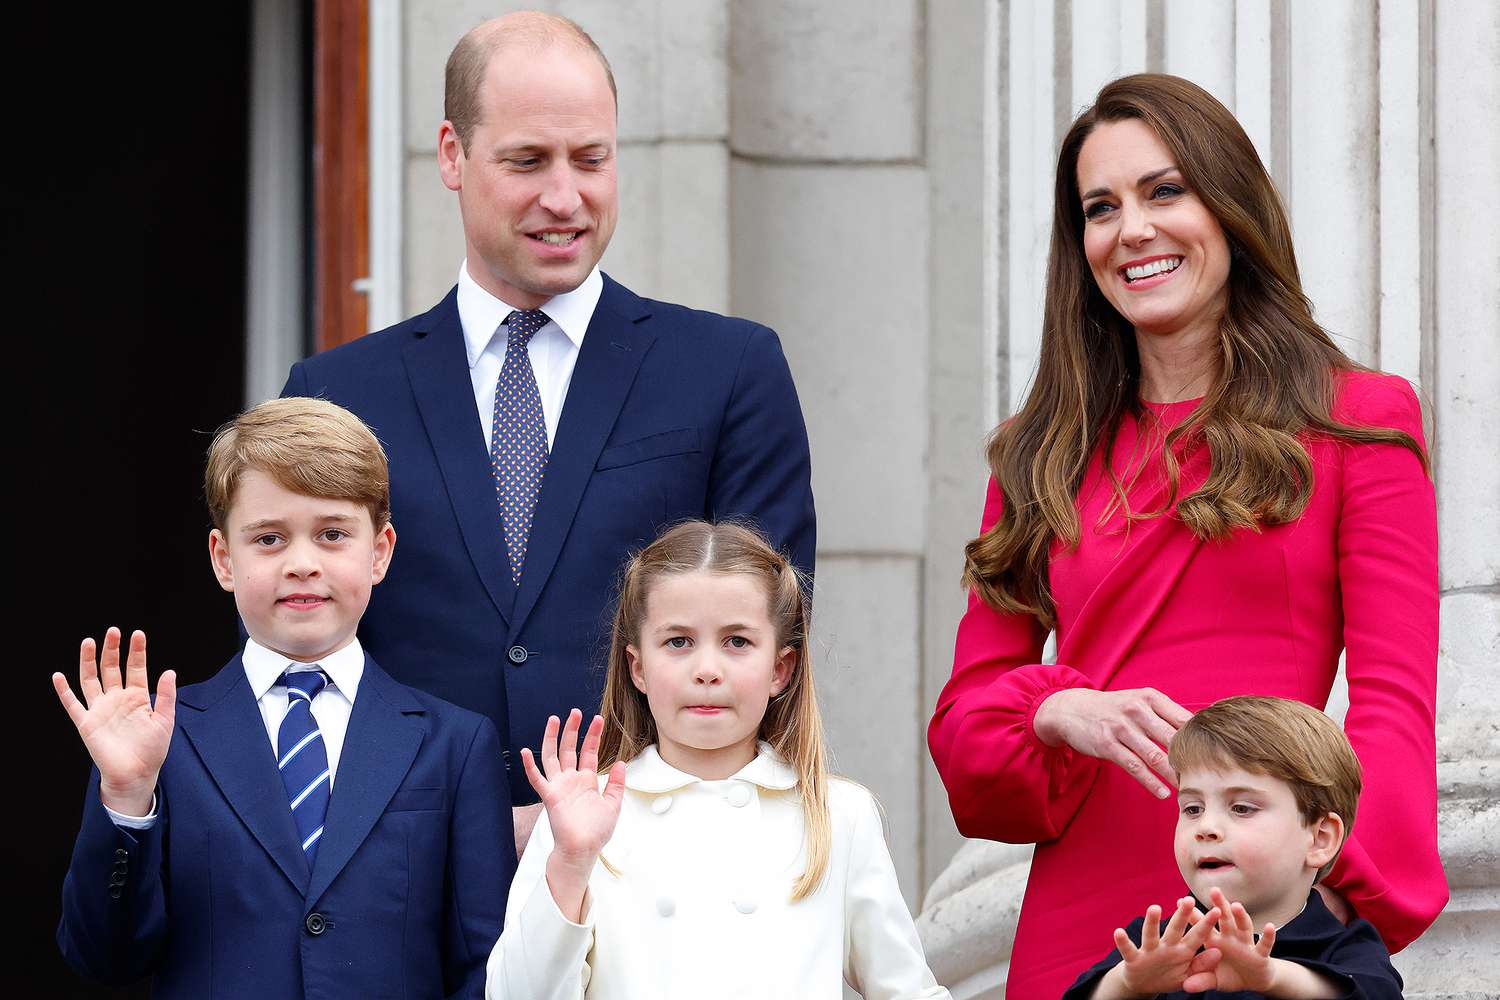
<point>744,904</point>
<point>739,796</point>
<point>665,906</point>
<point>661,804</point>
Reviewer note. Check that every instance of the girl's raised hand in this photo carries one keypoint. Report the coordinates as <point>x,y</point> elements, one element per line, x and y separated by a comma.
<point>124,734</point>
<point>581,816</point>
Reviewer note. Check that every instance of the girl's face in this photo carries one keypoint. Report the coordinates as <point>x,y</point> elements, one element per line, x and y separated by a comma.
<point>1157,253</point>
<point>708,663</point>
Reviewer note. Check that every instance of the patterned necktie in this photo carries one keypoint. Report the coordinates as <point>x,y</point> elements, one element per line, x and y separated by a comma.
<point>304,760</point>
<point>518,442</point>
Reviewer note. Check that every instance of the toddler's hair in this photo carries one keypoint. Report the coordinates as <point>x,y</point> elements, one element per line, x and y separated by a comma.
<point>1280,737</point>
<point>308,446</point>
<point>791,725</point>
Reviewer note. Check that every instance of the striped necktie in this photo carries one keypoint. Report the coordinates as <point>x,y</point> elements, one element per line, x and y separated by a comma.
<point>303,759</point>
<point>518,440</point>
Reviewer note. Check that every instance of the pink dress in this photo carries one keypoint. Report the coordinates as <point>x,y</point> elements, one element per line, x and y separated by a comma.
<point>1262,613</point>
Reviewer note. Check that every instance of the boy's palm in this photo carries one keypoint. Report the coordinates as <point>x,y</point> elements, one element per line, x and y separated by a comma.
<point>1166,957</point>
<point>581,816</point>
<point>124,734</point>
<point>1244,964</point>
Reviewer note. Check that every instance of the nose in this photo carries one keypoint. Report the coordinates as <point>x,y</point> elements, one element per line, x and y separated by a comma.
<point>1208,831</point>
<point>1135,224</point>
<point>301,560</point>
<point>560,191</point>
<point>706,670</point>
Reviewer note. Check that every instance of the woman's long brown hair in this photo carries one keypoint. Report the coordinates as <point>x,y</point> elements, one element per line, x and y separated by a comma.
<point>1275,377</point>
<point>792,723</point>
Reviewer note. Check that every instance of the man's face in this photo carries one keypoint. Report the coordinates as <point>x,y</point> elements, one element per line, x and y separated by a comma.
<point>537,186</point>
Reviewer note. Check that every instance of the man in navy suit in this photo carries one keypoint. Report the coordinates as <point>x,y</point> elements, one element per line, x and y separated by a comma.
<point>522,479</point>
<point>298,825</point>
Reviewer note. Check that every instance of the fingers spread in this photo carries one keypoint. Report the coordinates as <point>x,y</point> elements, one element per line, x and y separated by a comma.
<point>528,764</point>
<point>1126,947</point>
<point>567,750</point>
<point>588,759</point>
<point>166,695</point>
<point>109,663</point>
<point>88,671</point>
<point>549,747</point>
<point>135,660</point>
<point>70,702</point>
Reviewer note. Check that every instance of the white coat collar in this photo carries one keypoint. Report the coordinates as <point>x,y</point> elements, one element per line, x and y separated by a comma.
<point>649,773</point>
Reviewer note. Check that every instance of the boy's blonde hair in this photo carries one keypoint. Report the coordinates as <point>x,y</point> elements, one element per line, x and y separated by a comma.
<point>1283,738</point>
<point>792,724</point>
<point>308,446</point>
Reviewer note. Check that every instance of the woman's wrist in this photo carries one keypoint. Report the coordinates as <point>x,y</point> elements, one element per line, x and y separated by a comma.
<point>1046,721</point>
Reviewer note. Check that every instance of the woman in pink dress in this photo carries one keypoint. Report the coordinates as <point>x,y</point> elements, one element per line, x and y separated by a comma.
<point>1203,496</point>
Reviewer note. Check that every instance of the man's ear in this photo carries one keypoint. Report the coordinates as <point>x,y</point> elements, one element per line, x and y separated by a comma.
<point>637,673</point>
<point>218,557</point>
<point>451,157</point>
<point>783,669</point>
<point>385,546</point>
<point>1327,838</point>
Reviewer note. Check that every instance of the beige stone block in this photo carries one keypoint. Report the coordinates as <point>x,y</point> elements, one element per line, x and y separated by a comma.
<point>865,655</point>
<point>434,235</point>
<point>692,224</point>
<point>628,34</point>
<point>632,258</point>
<point>1468,682</point>
<point>835,259</point>
<point>826,79</point>
<point>694,75</point>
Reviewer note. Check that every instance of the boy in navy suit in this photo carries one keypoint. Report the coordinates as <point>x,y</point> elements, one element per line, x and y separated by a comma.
<point>1267,789</point>
<point>299,825</point>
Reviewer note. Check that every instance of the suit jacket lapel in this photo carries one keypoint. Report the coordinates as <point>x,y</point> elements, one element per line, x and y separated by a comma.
<point>438,367</point>
<point>385,732</point>
<point>608,359</point>
<point>226,729</point>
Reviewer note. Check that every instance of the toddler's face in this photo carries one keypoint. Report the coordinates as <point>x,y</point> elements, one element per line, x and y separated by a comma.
<point>1241,832</point>
<point>708,663</point>
<point>300,567</point>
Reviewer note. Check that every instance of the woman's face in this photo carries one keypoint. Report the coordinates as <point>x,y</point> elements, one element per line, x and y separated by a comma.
<point>1156,252</point>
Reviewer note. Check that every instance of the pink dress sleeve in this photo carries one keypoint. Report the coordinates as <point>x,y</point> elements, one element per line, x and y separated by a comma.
<point>1003,782</point>
<point>1390,870</point>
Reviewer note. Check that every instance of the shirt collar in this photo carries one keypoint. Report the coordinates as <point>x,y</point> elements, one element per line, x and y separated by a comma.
<point>264,667</point>
<point>480,313</point>
<point>649,773</point>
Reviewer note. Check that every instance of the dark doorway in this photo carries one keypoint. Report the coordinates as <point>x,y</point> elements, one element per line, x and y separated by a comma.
<point>129,272</point>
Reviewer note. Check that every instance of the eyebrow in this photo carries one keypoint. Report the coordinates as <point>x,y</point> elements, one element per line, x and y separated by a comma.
<point>1144,179</point>
<point>271,522</point>
<point>1236,790</point>
<point>732,627</point>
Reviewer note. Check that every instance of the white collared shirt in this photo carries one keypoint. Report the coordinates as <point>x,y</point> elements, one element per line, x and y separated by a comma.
<point>699,901</point>
<point>553,349</point>
<point>331,708</point>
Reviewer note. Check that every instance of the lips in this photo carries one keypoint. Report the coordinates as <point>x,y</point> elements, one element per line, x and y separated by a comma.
<point>1212,864</point>
<point>303,602</point>
<point>705,709</point>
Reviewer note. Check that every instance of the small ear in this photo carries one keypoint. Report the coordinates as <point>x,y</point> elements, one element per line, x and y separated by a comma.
<point>1327,838</point>
<point>783,669</point>
<point>385,546</point>
<point>637,673</point>
<point>218,557</point>
<point>450,156</point>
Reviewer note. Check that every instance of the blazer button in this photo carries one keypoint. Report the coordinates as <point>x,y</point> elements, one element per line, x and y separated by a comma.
<point>739,796</point>
<point>744,905</point>
<point>114,892</point>
<point>121,854</point>
<point>315,924</point>
<point>517,654</point>
<point>117,878</point>
<point>661,804</point>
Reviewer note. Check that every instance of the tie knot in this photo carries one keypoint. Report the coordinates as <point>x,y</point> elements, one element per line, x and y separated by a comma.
<point>304,684</point>
<point>524,323</point>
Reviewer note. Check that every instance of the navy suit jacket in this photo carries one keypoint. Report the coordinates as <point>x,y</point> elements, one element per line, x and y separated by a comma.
<point>671,414</point>
<point>405,899</point>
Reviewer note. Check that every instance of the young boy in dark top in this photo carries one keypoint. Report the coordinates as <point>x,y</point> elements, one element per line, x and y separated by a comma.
<point>1267,793</point>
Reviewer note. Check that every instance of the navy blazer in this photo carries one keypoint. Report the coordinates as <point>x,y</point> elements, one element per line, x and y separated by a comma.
<point>671,414</point>
<point>406,896</point>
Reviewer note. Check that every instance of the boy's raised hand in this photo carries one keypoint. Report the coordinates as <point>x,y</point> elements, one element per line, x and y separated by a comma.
<point>1166,956</point>
<point>127,738</point>
<point>581,816</point>
<point>1244,963</point>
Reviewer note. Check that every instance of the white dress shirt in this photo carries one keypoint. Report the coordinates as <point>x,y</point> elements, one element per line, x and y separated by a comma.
<point>553,349</point>
<point>702,903</point>
<point>331,708</point>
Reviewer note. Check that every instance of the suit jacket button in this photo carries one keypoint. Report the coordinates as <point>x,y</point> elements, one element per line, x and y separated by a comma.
<point>117,878</point>
<point>315,924</point>
<point>121,854</point>
<point>114,892</point>
<point>517,654</point>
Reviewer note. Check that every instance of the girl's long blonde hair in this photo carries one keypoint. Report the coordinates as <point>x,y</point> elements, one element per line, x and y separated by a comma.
<point>792,724</point>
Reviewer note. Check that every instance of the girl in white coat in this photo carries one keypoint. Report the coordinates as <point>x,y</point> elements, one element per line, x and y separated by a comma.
<point>695,845</point>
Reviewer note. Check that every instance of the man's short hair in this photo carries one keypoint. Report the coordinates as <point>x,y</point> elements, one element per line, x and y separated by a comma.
<point>308,446</point>
<point>470,61</point>
<point>1282,738</point>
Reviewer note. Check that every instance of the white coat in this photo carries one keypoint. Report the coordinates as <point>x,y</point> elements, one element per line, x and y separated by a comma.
<point>702,904</point>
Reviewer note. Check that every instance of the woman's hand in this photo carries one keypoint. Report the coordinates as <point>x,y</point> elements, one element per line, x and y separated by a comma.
<point>1130,728</point>
<point>581,816</point>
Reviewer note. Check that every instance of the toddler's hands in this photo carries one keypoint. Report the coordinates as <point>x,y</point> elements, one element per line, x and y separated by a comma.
<point>582,817</point>
<point>1166,956</point>
<point>127,738</point>
<point>1244,963</point>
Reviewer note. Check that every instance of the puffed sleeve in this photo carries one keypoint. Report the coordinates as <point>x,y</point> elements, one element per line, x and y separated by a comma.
<point>883,957</point>
<point>1387,560</point>
<point>541,954</point>
<point>1003,782</point>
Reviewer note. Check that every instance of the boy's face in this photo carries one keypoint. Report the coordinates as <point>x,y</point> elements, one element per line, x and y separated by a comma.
<point>300,568</point>
<point>1241,832</point>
